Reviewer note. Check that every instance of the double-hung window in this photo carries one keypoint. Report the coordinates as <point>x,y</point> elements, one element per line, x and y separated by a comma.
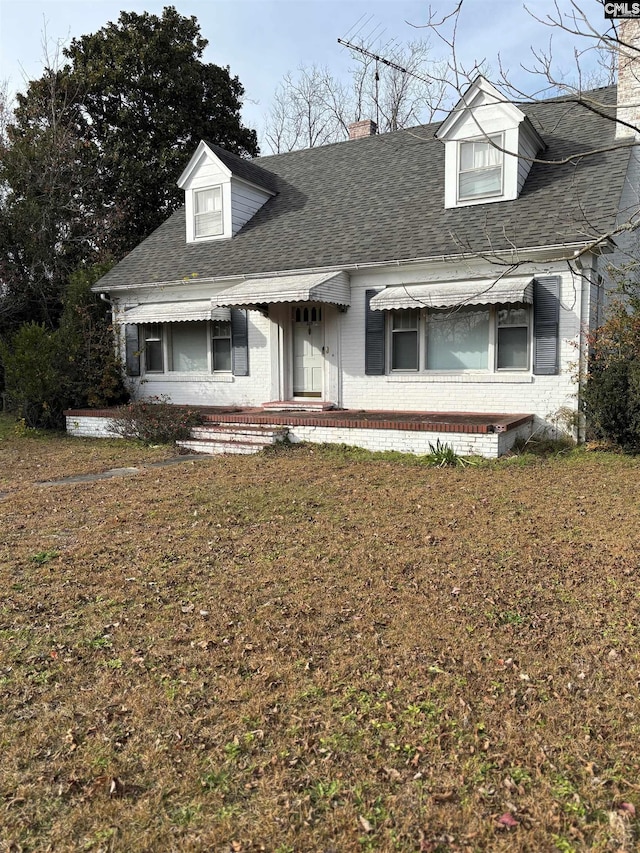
<point>221,345</point>
<point>207,212</point>
<point>513,338</point>
<point>480,168</point>
<point>404,337</point>
<point>153,349</point>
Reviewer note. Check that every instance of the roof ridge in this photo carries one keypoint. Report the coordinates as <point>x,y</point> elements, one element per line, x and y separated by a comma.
<point>524,105</point>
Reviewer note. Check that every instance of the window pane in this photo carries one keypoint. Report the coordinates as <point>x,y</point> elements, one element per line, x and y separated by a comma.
<point>466,156</point>
<point>513,317</point>
<point>512,348</point>
<point>480,182</point>
<point>208,212</point>
<point>480,172</point>
<point>222,354</point>
<point>189,347</point>
<point>208,200</point>
<point>153,356</point>
<point>221,329</point>
<point>406,319</point>
<point>485,154</point>
<point>404,354</point>
<point>458,339</point>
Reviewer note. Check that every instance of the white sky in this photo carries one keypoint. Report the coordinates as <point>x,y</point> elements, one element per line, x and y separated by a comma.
<point>261,40</point>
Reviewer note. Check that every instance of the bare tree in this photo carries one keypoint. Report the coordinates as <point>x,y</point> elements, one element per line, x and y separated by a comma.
<point>306,110</point>
<point>316,108</point>
<point>601,48</point>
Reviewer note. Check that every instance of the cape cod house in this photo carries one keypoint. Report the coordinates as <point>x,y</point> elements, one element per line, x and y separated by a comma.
<point>445,271</point>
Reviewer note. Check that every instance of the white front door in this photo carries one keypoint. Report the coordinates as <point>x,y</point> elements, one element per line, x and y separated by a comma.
<point>308,351</point>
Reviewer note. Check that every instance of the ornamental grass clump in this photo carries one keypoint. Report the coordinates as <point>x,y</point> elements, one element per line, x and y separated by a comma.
<point>155,421</point>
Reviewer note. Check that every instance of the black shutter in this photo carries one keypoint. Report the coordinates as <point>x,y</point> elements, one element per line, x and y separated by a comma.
<point>132,350</point>
<point>239,342</point>
<point>546,317</point>
<point>374,360</point>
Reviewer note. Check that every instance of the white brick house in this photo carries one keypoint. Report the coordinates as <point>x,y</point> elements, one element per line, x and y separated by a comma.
<point>443,269</point>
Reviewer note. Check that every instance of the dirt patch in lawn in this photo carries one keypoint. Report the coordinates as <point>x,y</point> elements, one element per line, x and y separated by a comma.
<point>302,651</point>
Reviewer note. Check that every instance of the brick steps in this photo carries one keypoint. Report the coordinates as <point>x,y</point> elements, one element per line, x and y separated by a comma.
<point>214,439</point>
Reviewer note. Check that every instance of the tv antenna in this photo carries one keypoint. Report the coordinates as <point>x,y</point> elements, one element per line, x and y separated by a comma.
<point>368,38</point>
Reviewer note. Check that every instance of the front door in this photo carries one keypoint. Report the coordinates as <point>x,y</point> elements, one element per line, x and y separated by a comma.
<point>308,351</point>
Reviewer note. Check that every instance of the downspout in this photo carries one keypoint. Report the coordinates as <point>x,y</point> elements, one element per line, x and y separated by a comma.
<point>585,270</point>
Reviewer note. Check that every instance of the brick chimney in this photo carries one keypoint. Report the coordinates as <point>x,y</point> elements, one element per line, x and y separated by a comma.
<point>360,129</point>
<point>628,107</point>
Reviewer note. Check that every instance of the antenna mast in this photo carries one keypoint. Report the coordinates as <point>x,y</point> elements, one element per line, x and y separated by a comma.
<point>377,59</point>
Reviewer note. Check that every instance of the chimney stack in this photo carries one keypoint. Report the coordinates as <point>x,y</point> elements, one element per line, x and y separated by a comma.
<point>628,106</point>
<point>360,129</point>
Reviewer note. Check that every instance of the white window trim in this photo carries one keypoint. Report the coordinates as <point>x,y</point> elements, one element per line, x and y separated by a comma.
<point>225,189</point>
<point>392,333</point>
<point>492,350</point>
<point>497,141</point>
<point>165,340</point>
<point>163,350</point>
<point>510,165</point>
<point>199,191</point>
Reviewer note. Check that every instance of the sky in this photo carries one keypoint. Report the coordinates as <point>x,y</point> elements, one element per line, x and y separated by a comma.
<point>262,40</point>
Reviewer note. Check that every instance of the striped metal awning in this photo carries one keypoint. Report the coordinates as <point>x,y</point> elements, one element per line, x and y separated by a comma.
<point>175,312</point>
<point>505,291</point>
<point>332,288</point>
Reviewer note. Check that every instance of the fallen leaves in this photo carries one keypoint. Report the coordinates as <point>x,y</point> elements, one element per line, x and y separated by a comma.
<point>340,685</point>
<point>507,821</point>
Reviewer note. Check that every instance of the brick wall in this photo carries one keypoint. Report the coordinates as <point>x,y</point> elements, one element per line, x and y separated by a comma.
<point>489,445</point>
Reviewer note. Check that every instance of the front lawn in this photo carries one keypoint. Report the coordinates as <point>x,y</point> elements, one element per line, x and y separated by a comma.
<point>308,650</point>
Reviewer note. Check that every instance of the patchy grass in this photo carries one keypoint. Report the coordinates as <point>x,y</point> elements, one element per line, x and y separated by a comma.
<point>308,650</point>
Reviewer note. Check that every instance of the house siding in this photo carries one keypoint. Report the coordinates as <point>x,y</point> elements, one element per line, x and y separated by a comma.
<point>527,152</point>
<point>245,202</point>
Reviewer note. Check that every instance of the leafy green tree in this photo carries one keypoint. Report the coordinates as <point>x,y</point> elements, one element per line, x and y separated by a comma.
<point>611,396</point>
<point>90,159</point>
<point>150,99</point>
<point>32,379</point>
<point>90,371</point>
<point>72,366</point>
<point>48,185</point>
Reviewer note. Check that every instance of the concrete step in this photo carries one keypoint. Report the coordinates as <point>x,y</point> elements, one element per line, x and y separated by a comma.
<point>217,448</point>
<point>217,438</point>
<point>247,433</point>
<point>298,406</point>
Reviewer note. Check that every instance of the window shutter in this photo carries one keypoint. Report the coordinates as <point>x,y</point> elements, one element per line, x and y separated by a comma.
<point>239,342</point>
<point>132,350</point>
<point>546,316</point>
<point>374,360</point>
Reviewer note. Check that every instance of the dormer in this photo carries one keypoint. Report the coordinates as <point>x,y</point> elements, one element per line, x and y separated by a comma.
<point>221,193</point>
<point>489,147</point>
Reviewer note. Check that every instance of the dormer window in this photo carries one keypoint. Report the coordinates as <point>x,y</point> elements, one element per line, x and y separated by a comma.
<point>489,147</point>
<point>207,213</point>
<point>221,193</point>
<point>480,169</point>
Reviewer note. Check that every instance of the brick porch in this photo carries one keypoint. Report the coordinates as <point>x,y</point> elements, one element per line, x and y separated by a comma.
<point>469,433</point>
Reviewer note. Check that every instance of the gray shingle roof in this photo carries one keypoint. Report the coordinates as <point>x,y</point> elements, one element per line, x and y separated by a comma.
<point>381,198</point>
<point>248,170</point>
